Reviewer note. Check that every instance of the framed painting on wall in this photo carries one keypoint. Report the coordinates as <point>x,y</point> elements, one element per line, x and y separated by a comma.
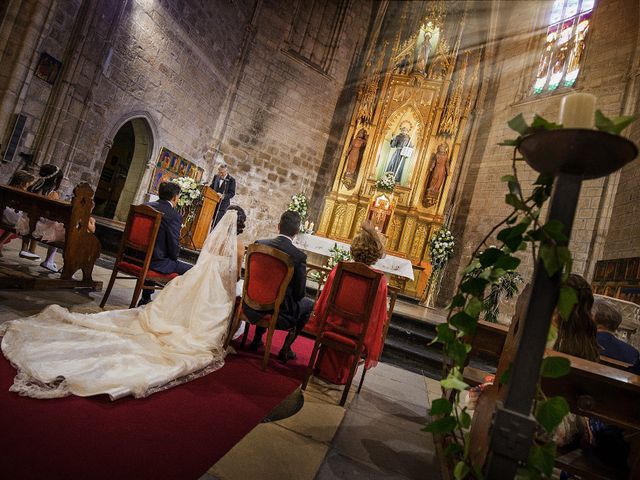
<point>170,165</point>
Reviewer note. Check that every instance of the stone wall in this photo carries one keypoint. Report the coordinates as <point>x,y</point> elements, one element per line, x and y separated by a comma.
<point>163,61</point>
<point>280,122</point>
<point>209,78</point>
<point>610,53</point>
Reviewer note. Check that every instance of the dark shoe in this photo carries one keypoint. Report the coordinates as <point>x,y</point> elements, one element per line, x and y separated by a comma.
<point>285,356</point>
<point>144,301</point>
<point>254,346</point>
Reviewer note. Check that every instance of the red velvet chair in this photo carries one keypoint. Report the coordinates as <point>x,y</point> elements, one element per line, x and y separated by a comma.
<point>136,250</point>
<point>267,274</point>
<point>351,301</point>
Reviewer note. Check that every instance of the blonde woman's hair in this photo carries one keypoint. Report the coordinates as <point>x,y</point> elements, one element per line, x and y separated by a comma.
<point>367,246</point>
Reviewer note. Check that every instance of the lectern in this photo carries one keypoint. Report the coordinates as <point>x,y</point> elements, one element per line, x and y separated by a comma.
<point>195,231</point>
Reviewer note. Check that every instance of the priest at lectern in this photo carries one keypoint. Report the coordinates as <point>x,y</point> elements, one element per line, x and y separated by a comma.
<point>225,186</point>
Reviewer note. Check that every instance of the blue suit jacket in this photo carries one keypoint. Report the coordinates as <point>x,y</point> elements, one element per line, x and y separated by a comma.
<point>167,247</point>
<point>290,308</point>
<point>613,347</point>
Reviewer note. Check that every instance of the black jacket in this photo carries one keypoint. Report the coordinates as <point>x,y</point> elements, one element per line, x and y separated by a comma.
<point>228,188</point>
<point>289,310</point>
<point>167,247</point>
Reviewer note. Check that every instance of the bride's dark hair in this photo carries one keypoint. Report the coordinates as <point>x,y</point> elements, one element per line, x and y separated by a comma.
<point>242,218</point>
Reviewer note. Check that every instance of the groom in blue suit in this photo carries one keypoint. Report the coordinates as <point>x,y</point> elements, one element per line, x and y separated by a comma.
<point>167,247</point>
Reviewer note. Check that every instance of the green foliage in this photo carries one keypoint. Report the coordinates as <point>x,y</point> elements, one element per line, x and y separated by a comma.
<point>491,273</point>
<point>567,299</point>
<point>520,125</point>
<point>613,125</point>
<point>542,458</point>
<point>550,412</point>
<point>555,367</point>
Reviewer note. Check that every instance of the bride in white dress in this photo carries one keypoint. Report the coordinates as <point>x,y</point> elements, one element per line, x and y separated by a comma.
<point>177,337</point>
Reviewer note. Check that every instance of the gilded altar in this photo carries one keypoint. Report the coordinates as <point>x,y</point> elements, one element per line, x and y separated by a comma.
<point>409,120</point>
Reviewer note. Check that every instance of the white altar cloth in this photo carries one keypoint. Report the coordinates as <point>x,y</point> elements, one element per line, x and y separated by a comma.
<point>321,245</point>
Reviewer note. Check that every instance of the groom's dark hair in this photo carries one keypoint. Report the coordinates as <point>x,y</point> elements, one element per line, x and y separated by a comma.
<point>289,223</point>
<point>168,190</point>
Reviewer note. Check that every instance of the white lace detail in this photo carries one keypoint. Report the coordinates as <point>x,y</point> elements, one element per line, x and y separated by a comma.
<point>176,338</point>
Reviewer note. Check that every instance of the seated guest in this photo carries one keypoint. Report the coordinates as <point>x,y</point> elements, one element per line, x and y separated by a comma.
<point>21,180</point>
<point>296,308</point>
<point>367,247</point>
<point>167,247</point>
<point>608,319</point>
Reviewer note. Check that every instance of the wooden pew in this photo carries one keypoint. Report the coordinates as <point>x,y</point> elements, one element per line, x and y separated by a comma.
<point>602,390</point>
<point>80,249</point>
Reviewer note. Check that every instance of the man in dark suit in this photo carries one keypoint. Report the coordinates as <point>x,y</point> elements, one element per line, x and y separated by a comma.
<point>167,247</point>
<point>296,308</point>
<point>225,186</point>
<point>608,319</point>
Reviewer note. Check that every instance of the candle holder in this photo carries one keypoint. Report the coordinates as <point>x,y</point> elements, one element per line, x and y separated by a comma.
<point>575,151</point>
<point>571,156</point>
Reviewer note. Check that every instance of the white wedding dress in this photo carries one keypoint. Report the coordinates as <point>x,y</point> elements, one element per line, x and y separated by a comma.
<point>177,337</point>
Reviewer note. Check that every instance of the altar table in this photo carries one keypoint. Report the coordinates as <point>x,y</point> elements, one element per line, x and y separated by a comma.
<point>321,245</point>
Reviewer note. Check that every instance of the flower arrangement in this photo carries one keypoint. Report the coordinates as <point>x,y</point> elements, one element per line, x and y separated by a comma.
<point>337,255</point>
<point>386,183</point>
<point>300,204</point>
<point>189,191</point>
<point>441,248</point>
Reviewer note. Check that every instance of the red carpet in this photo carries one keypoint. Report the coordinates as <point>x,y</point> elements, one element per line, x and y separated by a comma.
<point>175,434</point>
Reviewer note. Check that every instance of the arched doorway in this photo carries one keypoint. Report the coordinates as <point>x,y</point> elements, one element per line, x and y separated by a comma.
<point>123,169</point>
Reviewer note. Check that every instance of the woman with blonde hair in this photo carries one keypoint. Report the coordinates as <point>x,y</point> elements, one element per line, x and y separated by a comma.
<point>367,247</point>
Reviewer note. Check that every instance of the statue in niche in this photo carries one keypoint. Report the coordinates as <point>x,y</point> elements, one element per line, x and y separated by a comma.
<point>423,53</point>
<point>402,145</point>
<point>354,157</point>
<point>438,172</point>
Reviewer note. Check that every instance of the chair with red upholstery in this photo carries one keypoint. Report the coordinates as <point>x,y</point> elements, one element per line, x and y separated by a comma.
<point>136,251</point>
<point>267,274</point>
<point>346,317</point>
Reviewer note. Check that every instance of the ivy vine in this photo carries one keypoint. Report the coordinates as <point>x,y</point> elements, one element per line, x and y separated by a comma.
<point>520,231</point>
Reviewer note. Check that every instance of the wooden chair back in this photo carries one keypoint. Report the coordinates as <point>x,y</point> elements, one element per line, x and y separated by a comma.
<point>140,234</point>
<point>267,274</point>
<point>351,298</point>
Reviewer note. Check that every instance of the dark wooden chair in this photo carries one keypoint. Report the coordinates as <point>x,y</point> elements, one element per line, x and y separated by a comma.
<point>267,274</point>
<point>354,311</point>
<point>136,249</point>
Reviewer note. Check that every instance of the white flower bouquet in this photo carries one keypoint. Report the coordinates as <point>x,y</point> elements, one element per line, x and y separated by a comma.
<point>387,182</point>
<point>189,191</point>
<point>300,204</point>
<point>441,248</point>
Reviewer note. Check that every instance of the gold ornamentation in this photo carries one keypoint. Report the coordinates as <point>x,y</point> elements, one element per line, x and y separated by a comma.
<point>453,111</point>
<point>338,220</point>
<point>418,241</point>
<point>326,216</point>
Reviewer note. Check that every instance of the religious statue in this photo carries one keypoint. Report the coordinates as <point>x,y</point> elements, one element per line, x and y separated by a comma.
<point>401,143</point>
<point>423,53</point>
<point>354,157</point>
<point>543,67</point>
<point>578,48</point>
<point>438,172</point>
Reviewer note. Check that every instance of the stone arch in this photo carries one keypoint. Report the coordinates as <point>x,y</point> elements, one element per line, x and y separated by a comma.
<point>141,127</point>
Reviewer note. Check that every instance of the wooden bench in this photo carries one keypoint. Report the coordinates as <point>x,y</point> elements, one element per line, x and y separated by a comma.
<point>602,390</point>
<point>80,248</point>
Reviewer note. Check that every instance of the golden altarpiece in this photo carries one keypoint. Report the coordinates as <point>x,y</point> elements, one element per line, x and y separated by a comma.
<point>409,119</point>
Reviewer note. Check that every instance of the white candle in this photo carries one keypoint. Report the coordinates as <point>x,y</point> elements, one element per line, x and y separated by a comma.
<point>311,226</point>
<point>578,110</point>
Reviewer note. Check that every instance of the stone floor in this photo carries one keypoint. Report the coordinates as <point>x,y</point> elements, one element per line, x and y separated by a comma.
<point>377,436</point>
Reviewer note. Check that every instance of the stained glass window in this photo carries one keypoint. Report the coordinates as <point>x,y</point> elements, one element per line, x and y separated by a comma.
<point>564,44</point>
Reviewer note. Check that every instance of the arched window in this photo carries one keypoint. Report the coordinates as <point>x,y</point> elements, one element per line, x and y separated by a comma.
<point>564,44</point>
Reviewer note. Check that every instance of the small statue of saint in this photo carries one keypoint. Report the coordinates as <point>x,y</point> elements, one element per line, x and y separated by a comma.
<point>354,157</point>
<point>401,143</point>
<point>423,53</point>
<point>438,172</point>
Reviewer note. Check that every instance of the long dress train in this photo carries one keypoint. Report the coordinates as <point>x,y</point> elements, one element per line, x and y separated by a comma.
<point>175,338</point>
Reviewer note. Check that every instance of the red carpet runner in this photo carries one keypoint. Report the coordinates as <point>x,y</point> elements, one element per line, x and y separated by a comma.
<point>175,434</point>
